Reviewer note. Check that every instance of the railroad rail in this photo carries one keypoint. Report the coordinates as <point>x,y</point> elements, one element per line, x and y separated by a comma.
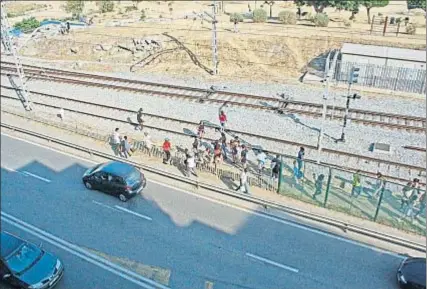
<point>116,114</point>
<point>365,117</point>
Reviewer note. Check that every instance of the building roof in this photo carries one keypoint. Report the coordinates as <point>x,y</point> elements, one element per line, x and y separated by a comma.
<point>384,52</point>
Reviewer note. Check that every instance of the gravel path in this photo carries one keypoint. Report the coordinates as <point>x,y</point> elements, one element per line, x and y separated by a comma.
<point>293,128</point>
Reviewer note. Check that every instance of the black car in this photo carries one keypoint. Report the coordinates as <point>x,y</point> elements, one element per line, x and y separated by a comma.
<point>115,178</point>
<point>412,273</point>
<point>25,265</point>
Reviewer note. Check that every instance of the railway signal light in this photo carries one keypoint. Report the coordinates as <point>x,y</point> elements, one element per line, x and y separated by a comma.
<point>354,75</point>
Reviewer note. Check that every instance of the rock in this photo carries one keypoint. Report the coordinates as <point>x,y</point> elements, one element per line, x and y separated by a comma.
<point>74,49</point>
<point>106,47</point>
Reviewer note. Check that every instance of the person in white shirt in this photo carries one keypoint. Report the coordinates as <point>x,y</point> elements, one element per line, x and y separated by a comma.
<point>115,141</point>
<point>191,164</point>
<point>244,185</point>
<point>261,161</point>
<point>148,143</point>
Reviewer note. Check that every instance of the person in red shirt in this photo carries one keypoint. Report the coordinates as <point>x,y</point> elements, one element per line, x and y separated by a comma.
<point>222,120</point>
<point>167,149</point>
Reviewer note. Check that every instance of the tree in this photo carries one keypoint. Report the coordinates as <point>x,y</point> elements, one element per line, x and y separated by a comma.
<point>374,3</point>
<point>413,4</point>
<point>318,5</point>
<point>106,5</point>
<point>136,2</point>
<point>271,3</point>
<point>75,7</point>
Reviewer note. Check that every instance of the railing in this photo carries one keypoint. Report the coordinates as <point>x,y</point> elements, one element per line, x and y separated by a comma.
<point>297,212</point>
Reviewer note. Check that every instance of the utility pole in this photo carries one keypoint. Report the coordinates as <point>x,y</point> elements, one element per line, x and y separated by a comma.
<point>11,49</point>
<point>353,78</point>
<point>322,126</point>
<point>214,38</point>
<point>214,41</point>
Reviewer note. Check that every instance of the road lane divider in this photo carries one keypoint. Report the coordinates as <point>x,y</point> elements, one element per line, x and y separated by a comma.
<point>272,263</point>
<point>133,213</point>
<point>82,253</point>
<point>36,176</point>
<point>104,205</point>
<point>25,173</point>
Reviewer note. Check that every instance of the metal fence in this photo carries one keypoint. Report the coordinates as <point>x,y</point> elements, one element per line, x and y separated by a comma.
<point>333,188</point>
<point>384,77</point>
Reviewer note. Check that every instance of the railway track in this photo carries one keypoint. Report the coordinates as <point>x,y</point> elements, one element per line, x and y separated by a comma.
<point>397,171</point>
<point>365,117</point>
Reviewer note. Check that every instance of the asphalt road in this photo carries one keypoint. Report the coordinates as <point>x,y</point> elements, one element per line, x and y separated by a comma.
<point>175,238</point>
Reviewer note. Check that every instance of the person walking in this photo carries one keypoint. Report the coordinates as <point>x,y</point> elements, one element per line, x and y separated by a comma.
<point>125,146</point>
<point>223,142</point>
<point>201,130</point>
<point>275,167</point>
<point>318,185</point>
<point>422,207</point>
<point>379,185</point>
<point>191,164</point>
<point>261,161</point>
<point>244,156</point>
<point>68,27</point>
<point>300,158</point>
<point>244,185</point>
<point>167,150</point>
<point>407,193</point>
<point>222,120</point>
<point>115,141</point>
<point>235,25</point>
<point>297,174</point>
<point>139,119</point>
<point>148,144</point>
<point>356,185</point>
<point>233,145</point>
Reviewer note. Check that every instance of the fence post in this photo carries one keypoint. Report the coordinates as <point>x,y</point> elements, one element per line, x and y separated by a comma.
<point>328,186</point>
<point>372,23</point>
<point>379,203</point>
<point>385,25</point>
<point>279,185</point>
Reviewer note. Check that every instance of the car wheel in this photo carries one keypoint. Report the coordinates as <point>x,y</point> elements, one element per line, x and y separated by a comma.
<point>122,198</point>
<point>88,185</point>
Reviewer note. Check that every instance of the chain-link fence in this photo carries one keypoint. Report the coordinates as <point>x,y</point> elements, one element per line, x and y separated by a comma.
<point>384,77</point>
<point>366,197</point>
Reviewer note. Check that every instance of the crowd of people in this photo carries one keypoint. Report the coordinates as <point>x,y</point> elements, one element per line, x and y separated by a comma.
<point>235,152</point>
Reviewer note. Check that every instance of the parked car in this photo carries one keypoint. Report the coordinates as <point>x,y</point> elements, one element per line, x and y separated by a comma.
<point>25,265</point>
<point>115,178</point>
<point>412,273</point>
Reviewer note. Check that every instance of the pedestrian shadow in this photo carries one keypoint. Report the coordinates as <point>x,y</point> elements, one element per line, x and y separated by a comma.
<point>228,181</point>
<point>129,120</point>
<point>189,132</point>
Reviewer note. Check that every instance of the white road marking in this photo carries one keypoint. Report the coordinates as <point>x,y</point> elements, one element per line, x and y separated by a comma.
<point>84,254</point>
<point>36,176</point>
<point>272,263</point>
<point>104,205</point>
<point>10,170</point>
<point>133,213</point>
<point>352,242</point>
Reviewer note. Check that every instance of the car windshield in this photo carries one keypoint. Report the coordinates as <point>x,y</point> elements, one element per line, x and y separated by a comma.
<point>133,177</point>
<point>23,258</point>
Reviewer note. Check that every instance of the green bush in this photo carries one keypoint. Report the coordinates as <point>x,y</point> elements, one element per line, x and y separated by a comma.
<point>143,16</point>
<point>288,17</point>
<point>411,28</point>
<point>106,6</point>
<point>236,16</point>
<point>28,24</point>
<point>259,15</point>
<point>130,8</point>
<point>321,20</point>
